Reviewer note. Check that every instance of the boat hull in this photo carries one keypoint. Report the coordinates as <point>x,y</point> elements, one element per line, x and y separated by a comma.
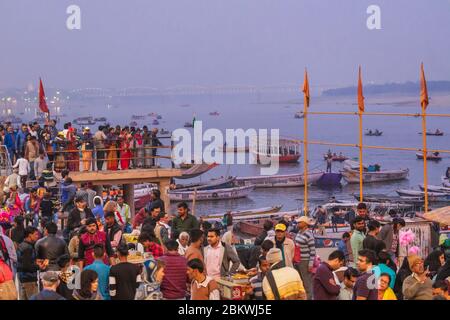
<point>429,157</point>
<point>212,195</point>
<point>244,214</point>
<point>352,176</point>
<point>279,181</point>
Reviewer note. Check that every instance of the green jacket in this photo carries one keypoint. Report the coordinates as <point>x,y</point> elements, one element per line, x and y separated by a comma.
<point>356,242</point>
<point>189,223</point>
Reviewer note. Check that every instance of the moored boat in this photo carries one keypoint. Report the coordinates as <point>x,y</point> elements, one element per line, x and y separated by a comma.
<point>351,173</point>
<point>277,181</point>
<point>432,196</point>
<point>245,214</point>
<point>219,183</point>
<point>216,194</point>
<point>188,125</point>
<point>83,121</point>
<point>433,188</point>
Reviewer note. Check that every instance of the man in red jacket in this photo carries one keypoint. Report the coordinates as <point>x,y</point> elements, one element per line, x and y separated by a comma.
<point>174,283</point>
<point>324,283</point>
<point>88,241</point>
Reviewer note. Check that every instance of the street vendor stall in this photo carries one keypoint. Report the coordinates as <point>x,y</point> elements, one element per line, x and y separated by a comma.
<point>233,287</point>
<point>420,242</point>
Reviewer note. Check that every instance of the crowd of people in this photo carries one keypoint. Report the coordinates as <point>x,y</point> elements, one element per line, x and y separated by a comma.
<point>94,257</point>
<point>31,147</point>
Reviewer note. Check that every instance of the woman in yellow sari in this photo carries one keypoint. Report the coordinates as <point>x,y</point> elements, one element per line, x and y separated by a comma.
<point>111,140</point>
<point>384,291</point>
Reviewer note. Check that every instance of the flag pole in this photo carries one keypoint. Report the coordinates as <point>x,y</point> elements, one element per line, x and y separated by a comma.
<point>360,157</point>
<point>424,102</point>
<point>360,112</point>
<point>305,141</point>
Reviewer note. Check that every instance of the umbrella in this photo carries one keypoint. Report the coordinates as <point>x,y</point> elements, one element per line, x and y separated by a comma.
<point>441,215</point>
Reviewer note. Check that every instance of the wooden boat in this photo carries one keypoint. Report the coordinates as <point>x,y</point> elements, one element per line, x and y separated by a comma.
<point>436,133</point>
<point>330,179</point>
<point>244,214</point>
<point>101,119</point>
<point>432,188</point>
<point>251,228</point>
<point>351,174</point>
<point>299,115</point>
<point>162,131</point>
<point>219,183</point>
<point>432,196</point>
<point>375,133</point>
<point>430,156</point>
<point>279,181</point>
<point>155,122</point>
<point>217,194</point>
<point>197,170</point>
<point>334,157</point>
<point>188,125</point>
<point>214,113</point>
<point>137,117</point>
<point>287,151</point>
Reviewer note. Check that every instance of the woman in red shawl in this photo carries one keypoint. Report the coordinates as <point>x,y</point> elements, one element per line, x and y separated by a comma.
<point>125,150</point>
<point>73,158</point>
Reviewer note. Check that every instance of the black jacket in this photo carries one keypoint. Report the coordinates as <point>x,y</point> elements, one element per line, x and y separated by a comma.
<point>26,262</point>
<point>51,248</point>
<point>111,231</point>
<point>260,238</point>
<point>74,218</point>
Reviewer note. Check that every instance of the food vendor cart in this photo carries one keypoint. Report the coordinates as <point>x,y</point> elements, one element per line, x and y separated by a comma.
<point>233,288</point>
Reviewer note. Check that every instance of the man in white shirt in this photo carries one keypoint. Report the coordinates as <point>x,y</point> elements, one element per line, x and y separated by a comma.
<point>24,169</point>
<point>40,164</point>
<point>350,276</point>
<point>12,180</point>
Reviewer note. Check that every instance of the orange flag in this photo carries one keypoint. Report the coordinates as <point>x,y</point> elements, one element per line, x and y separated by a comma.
<point>306,89</point>
<point>424,100</point>
<point>360,92</point>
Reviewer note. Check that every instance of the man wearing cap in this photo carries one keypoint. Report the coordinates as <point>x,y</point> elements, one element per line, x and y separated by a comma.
<point>286,245</point>
<point>417,286</point>
<point>306,242</point>
<point>50,282</point>
<point>281,282</point>
<point>88,240</point>
<point>87,147</point>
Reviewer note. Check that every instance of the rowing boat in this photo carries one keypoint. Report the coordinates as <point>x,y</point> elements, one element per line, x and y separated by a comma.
<point>432,188</point>
<point>244,213</point>
<point>431,157</point>
<point>351,173</point>
<point>279,181</point>
<point>217,194</point>
<point>432,196</point>
<point>212,184</point>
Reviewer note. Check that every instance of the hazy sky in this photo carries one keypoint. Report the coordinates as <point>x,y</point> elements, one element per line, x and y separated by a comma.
<point>162,43</point>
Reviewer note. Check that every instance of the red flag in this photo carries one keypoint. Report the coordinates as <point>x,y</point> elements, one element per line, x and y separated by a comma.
<point>306,89</point>
<point>424,100</point>
<point>360,93</point>
<point>42,102</point>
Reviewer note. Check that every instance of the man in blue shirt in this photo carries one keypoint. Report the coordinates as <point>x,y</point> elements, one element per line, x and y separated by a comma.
<point>102,271</point>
